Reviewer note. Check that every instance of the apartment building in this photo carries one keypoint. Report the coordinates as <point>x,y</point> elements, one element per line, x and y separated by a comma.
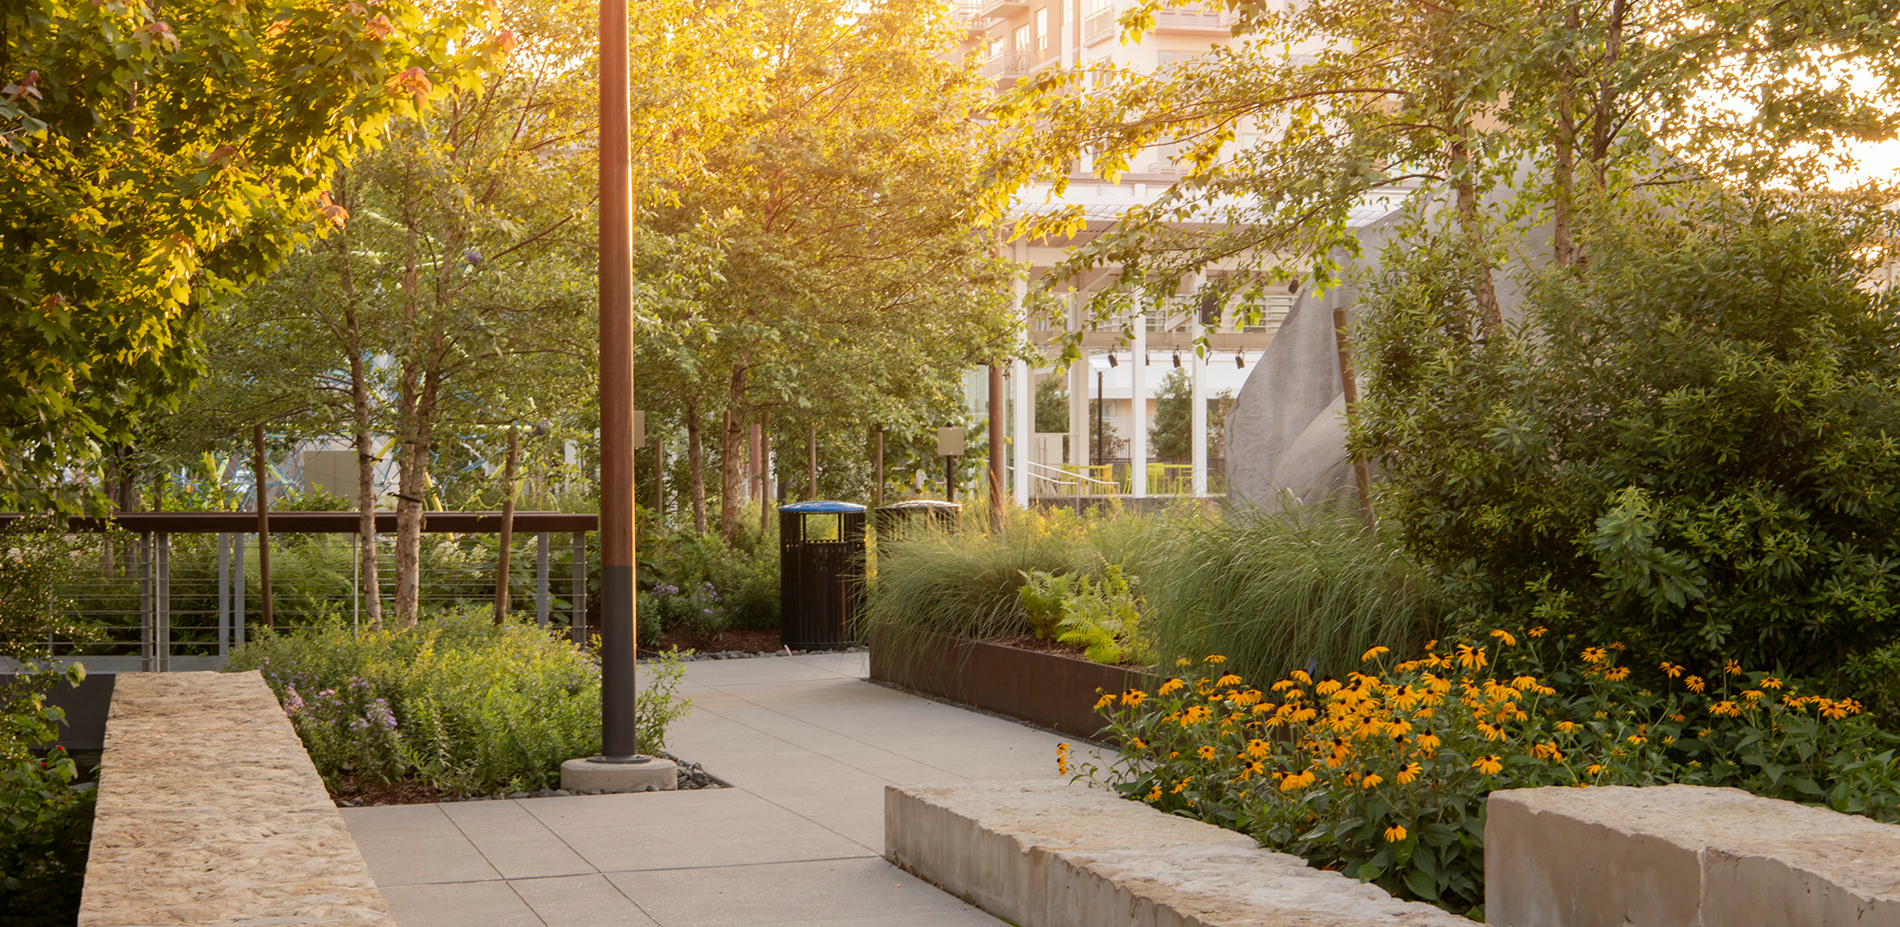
<point>1017,38</point>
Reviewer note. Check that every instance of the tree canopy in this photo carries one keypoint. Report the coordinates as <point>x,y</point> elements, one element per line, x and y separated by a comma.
<point>156,164</point>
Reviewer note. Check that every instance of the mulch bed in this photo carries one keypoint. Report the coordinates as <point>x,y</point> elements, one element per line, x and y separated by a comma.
<point>1039,645</point>
<point>741,641</point>
<point>404,792</point>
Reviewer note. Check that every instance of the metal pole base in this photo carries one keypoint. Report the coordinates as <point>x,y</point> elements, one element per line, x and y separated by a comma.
<point>620,774</point>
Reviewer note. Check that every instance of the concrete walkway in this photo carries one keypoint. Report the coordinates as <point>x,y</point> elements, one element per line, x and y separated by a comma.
<point>809,746</point>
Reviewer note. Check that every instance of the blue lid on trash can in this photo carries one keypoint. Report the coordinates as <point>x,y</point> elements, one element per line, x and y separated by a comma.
<point>821,507</point>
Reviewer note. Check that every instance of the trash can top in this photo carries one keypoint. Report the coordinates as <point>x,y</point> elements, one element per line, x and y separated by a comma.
<point>914,505</point>
<point>821,507</point>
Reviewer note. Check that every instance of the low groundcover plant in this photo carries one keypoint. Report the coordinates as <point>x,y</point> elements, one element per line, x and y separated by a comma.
<point>457,703</point>
<point>1383,775</point>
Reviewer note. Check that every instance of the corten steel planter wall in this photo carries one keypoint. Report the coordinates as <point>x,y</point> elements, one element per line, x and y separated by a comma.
<point>1047,689</point>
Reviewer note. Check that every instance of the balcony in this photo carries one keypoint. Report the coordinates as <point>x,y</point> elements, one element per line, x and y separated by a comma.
<point>970,13</point>
<point>1002,9</point>
<point>1005,68</point>
<point>1190,21</point>
<point>1099,26</point>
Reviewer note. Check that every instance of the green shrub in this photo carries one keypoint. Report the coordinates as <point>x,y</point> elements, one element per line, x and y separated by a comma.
<point>458,702</point>
<point>744,577</point>
<point>45,819</point>
<point>1276,592</point>
<point>1383,775</point>
<point>1693,448</point>
<point>698,611</point>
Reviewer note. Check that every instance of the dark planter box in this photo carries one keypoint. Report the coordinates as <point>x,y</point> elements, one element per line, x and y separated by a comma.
<point>1046,689</point>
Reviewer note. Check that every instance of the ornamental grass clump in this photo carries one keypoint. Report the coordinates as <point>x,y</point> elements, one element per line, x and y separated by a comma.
<point>1382,775</point>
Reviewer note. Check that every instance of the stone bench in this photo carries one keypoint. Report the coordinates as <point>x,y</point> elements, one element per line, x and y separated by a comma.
<point>210,812</point>
<point>1683,855</point>
<point>1046,854</point>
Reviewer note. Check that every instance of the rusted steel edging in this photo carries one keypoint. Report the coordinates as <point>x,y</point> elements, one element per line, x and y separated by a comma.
<point>1046,689</point>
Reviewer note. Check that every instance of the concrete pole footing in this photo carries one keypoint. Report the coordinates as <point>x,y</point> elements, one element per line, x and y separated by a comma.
<point>643,774</point>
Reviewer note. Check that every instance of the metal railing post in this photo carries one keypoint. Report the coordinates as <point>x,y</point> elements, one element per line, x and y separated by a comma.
<point>541,579</point>
<point>577,622</point>
<point>162,607</point>
<point>224,594</point>
<point>145,602</point>
<point>237,590</point>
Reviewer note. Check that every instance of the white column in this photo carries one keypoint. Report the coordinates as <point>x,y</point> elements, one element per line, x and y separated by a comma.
<point>1020,376</point>
<point>1197,417</point>
<point>1138,405</point>
<point>1079,386</point>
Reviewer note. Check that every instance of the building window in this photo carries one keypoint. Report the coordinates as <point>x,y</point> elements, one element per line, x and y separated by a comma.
<point>1273,308</point>
<point>996,48</point>
<point>1042,29</point>
<point>1022,39</point>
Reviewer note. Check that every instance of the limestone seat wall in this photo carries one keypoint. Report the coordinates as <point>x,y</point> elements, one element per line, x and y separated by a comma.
<point>210,812</point>
<point>1046,854</point>
<point>1683,856</point>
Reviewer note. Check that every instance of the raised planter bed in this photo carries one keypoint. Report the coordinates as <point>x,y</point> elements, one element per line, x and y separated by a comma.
<point>1047,689</point>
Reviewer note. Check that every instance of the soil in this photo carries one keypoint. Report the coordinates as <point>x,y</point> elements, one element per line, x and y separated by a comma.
<point>742,641</point>
<point>403,792</point>
<point>1040,645</point>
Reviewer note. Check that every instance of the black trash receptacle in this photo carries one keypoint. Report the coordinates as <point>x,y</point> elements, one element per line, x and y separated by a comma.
<point>894,518</point>
<point>821,566</point>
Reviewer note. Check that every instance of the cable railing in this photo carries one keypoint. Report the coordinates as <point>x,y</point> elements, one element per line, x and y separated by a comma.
<point>179,591</point>
<point>1164,479</point>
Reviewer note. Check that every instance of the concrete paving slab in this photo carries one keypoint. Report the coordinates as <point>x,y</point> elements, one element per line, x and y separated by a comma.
<point>670,846</point>
<point>424,861</point>
<point>824,892</point>
<point>808,745</point>
<point>687,808</point>
<point>490,817</point>
<point>398,822</point>
<point>581,901</point>
<point>530,854</point>
<point>458,904</point>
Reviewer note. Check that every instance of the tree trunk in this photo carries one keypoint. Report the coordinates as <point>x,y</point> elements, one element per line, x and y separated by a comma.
<point>765,472</point>
<point>414,481</point>
<point>263,526</point>
<point>505,554</point>
<point>1466,185</point>
<point>696,466</point>
<point>420,379</point>
<point>372,587</point>
<point>730,455</point>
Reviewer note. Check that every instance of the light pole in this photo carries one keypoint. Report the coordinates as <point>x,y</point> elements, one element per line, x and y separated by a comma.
<point>619,767</point>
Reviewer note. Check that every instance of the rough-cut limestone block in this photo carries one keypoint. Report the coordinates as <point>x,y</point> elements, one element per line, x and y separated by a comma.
<point>211,813</point>
<point>1047,854</point>
<point>1683,855</point>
